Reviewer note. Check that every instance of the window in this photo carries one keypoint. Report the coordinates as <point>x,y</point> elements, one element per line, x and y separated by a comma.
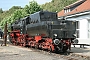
<point>64,10</point>
<point>67,10</point>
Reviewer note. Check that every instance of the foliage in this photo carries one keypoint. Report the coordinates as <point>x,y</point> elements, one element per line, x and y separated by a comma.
<point>17,12</point>
<point>57,5</point>
<point>10,19</point>
<point>32,7</point>
<point>20,12</point>
<point>8,13</point>
<point>15,7</point>
<point>1,11</point>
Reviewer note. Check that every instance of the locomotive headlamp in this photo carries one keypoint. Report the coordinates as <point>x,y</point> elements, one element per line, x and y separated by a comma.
<point>55,35</point>
<point>56,41</point>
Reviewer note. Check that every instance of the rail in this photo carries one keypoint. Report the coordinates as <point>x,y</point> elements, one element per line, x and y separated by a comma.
<point>81,45</point>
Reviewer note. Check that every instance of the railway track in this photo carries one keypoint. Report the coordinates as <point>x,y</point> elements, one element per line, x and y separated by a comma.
<point>67,55</point>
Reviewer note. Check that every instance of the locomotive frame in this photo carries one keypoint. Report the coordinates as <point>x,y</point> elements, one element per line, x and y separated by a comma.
<point>43,30</point>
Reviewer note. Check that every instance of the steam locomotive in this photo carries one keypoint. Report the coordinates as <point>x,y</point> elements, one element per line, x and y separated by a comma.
<point>43,30</point>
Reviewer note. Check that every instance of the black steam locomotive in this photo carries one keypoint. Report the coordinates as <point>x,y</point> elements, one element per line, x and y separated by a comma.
<point>43,30</point>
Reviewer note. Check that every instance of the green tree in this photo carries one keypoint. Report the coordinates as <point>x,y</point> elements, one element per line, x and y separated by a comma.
<point>1,11</point>
<point>32,7</point>
<point>15,7</point>
<point>9,12</point>
<point>57,5</point>
<point>19,12</point>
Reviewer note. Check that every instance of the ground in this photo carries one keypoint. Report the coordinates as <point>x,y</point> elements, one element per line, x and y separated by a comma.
<point>20,53</point>
<point>11,52</point>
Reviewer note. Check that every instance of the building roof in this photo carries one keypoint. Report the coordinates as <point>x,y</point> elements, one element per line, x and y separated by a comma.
<point>77,2</point>
<point>81,8</point>
<point>61,13</point>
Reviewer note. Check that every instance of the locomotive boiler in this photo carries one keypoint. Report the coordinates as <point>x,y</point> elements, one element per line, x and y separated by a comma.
<point>43,30</point>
